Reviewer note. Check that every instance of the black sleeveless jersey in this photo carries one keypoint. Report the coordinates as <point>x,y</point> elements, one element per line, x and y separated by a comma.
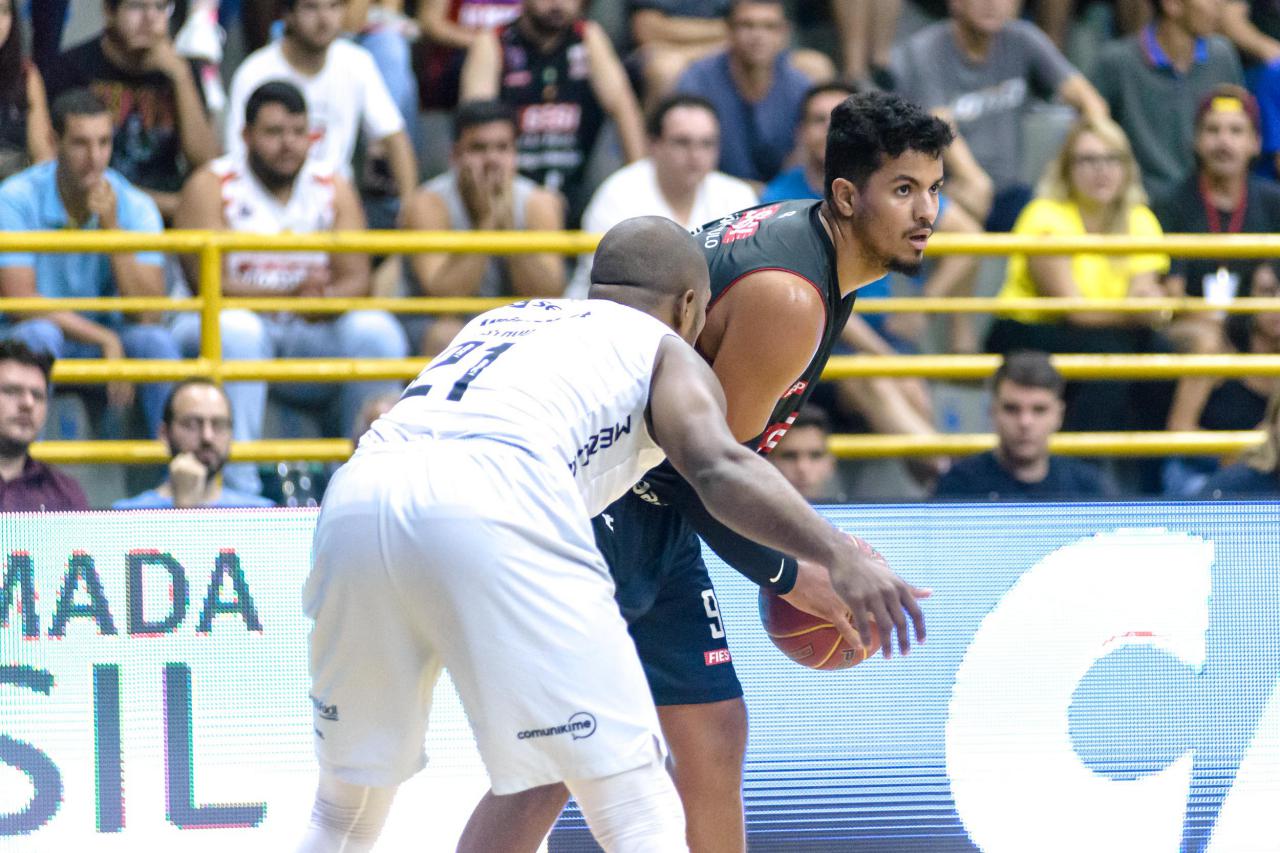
<point>786,236</point>
<point>557,114</point>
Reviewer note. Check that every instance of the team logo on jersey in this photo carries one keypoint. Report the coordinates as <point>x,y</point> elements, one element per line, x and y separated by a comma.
<point>796,389</point>
<point>715,657</point>
<point>749,223</point>
<point>774,434</point>
<point>581,725</point>
<point>602,440</point>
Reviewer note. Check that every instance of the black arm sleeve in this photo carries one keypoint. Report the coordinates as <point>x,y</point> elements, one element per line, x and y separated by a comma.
<point>771,569</point>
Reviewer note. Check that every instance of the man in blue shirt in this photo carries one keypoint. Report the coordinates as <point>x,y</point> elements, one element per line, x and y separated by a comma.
<point>755,89</point>
<point>77,190</point>
<point>1026,410</point>
<point>197,428</point>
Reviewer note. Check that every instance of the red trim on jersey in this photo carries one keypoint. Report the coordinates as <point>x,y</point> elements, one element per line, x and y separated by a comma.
<point>812,284</point>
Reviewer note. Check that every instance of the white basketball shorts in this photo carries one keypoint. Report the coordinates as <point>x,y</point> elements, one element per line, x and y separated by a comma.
<point>478,557</point>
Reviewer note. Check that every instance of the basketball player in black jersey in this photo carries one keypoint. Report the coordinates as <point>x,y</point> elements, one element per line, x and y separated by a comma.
<point>783,278</point>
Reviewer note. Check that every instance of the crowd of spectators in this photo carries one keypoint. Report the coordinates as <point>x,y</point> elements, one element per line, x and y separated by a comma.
<point>319,115</point>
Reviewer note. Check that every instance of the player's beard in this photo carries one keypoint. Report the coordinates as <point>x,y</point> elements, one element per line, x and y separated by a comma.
<point>273,179</point>
<point>864,225</point>
<point>910,268</point>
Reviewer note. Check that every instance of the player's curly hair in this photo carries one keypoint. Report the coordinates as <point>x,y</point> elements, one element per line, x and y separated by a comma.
<point>871,127</point>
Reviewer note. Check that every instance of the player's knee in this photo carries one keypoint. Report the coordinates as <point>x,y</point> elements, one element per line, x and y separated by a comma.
<point>637,811</point>
<point>346,817</point>
<point>711,744</point>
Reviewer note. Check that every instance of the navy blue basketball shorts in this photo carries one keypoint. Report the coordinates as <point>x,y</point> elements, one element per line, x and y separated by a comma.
<point>666,597</point>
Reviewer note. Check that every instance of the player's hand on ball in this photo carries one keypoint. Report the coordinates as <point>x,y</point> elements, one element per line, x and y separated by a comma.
<point>814,594</point>
<point>871,590</point>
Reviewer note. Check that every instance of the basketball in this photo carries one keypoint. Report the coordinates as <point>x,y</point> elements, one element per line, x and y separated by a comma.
<point>808,640</point>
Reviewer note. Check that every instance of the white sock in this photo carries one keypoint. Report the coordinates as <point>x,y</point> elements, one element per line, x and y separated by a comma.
<point>346,818</point>
<point>633,812</point>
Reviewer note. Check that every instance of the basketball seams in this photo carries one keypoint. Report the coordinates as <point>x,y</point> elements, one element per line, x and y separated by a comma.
<point>799,633</point>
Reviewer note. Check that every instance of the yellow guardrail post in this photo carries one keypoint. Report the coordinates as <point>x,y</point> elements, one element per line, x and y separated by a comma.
<point>211,307</point>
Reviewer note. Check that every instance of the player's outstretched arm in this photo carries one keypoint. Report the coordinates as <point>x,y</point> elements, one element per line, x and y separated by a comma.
<point>686,410</point>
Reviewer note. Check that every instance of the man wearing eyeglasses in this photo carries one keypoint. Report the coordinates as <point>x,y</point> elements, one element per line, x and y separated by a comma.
<point>677,180</point>
<point>162,128</point>
<point>26,484</point>
<point>197,429</point>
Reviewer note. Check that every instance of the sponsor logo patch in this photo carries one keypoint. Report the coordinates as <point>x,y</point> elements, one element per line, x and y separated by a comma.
<point>581,725</point>
<point>717,656</point>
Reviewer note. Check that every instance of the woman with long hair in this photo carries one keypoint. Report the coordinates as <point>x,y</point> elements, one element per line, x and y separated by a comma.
<point>26,135</point>
<point>1092,186</point>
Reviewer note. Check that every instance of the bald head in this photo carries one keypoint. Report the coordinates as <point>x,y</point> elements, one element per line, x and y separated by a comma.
<point>651,254</point>
<point>652,264</point>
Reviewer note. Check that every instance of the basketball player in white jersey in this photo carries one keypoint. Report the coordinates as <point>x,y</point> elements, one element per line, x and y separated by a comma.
<point>459,536</point>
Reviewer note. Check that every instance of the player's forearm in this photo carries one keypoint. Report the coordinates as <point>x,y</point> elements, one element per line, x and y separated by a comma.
<point>738,483</point>
<point>758,563</point>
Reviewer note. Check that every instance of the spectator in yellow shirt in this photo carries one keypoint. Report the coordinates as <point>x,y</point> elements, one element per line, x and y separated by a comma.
<point>1093,186</point>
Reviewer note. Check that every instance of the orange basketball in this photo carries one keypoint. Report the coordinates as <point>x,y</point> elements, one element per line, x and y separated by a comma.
<point>808,640</point>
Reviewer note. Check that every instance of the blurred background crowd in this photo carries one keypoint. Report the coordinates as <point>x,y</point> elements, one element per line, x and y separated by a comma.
<point>1136,117</point>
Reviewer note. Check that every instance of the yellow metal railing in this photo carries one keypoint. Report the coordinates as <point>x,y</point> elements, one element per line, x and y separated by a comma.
<point>212,246</point>
<point>844,446</point>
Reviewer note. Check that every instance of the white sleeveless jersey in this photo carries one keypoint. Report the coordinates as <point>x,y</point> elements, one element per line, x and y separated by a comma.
<point>248,207</point>
<point>567,380</point>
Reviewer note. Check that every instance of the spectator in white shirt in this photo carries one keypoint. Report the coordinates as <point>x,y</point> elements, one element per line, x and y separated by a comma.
<point>677,180</point>
<point>345,93</point>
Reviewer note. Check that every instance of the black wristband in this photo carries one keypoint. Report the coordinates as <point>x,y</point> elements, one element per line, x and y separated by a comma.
<point>786,578</point>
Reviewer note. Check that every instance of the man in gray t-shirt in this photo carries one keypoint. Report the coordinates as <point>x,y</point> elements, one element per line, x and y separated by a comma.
<point>1155,79</point>
<point>980,69</point>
